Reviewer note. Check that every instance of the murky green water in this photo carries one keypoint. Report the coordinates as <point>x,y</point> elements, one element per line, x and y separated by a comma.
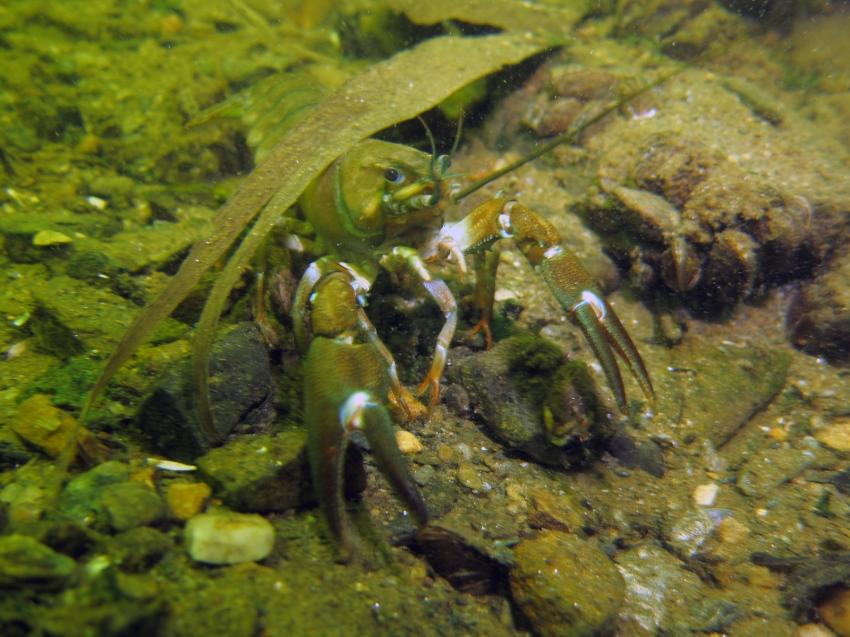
<point>709,202</point>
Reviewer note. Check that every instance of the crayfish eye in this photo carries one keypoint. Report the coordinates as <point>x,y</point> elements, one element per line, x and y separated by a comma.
<point>394,176</point>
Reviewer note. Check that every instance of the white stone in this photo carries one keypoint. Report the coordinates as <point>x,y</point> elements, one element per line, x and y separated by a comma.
<point>228,538</point>
<point>706,494</point>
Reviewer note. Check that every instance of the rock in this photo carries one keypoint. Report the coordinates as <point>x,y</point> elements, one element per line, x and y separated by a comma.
<point>241,395</point>
<point>835,435</point>
<point>566,587</point>
<point>407,442</point>
<point>104,498</point>
<point>661,596</point>
<point>706,494</point>
<point>131,504</point>
<point>140,549</point>
<point>646,455</point>
<point>513,384</point>
<point>470,477</point>
<point>80,499</point>
<point>71,317</point>
<point>186,499</point>
<point>13,453</point>
<point>25,562</point>
<point>50,238</point>
<point>819,318</point>
<point>559,512</point>
<point>44,426</point>
<point>731,384</point>
<point>730,531</point>
<point>764,472</point>
<point>260,473</point>
<point>464,559</point>
<point>689,530</point>
<point>228,538</point>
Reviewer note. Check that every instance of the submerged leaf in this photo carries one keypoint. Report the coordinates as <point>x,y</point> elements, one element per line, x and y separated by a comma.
<point>510,15</point>
<point>386,93</point>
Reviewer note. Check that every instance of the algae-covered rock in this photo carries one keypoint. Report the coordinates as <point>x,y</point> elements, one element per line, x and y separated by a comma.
<point>532,399</point>
<point>731,383</point>
<point>139,549</point>
<point>240,386</point>
<point>260,473</point>
<point>228,538</point>
<point>44,426</point>
<point>25,562</point>
<point>566,587</point>
<point>71,317</point>
<point>80,499</point>
<point>131,504</point>
<point>104,497</point>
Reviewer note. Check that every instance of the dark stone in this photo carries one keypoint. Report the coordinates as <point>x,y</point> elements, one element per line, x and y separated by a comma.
<point>647,455</point>
<point>241,397</point>
<point>465,566</point>
<point>13,454</point>
<point>819,317</point>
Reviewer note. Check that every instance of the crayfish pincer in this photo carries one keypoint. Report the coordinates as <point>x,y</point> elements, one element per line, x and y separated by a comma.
<point>381,205</point>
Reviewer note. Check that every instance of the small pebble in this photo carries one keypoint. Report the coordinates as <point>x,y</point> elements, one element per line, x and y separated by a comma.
<point>50,238</point>
<point>468,476</point>
<point>228,538</point>
<point>503,294</point>
<point>407,442</point>
<point>706,494</point>
<point>445,453</point>
<point>730,531</point>
<point>836,436</point>
<point>423,475</point>
<point>186,499</point>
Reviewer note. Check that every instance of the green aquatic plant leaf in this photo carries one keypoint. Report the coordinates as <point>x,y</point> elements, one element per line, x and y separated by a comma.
<point>510,15</point>
<point>388,92</point>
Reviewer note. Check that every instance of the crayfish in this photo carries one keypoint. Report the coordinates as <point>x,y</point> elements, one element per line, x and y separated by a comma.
<point>381,205</point>
<point>377,205</point>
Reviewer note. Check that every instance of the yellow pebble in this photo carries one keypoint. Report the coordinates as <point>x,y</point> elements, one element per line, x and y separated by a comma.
<point>50,238</point>
<point>186,499</point>
<point>90,145</point>
<point>778,433</point>
<point>407,442</point>
<point>836,435</point>
<point>730,531</point>
<point>145,476</point>
<point>445,453</point>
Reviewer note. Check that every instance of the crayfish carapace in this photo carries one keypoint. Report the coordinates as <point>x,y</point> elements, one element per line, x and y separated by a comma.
<point>381,205</point>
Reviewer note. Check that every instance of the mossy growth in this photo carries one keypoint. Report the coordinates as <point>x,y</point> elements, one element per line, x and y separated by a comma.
<point>67,384</point>
<point>564,388</point>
